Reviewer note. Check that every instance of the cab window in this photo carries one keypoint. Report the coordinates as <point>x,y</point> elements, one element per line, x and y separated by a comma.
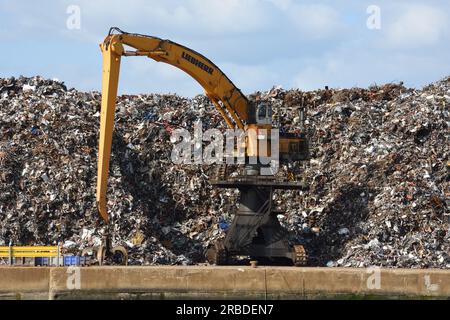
<point>261,111</point>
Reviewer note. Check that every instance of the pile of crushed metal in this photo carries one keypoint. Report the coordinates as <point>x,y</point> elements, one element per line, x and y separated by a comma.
<point>378,177</point>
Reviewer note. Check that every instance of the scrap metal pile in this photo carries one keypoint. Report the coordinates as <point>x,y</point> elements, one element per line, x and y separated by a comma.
<point>378,179</point>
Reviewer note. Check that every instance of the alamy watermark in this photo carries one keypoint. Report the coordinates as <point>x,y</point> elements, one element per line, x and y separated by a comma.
<point>373,22</point>
<point>431,287</point>
<point>73,21</point>
<point>73,281</point>
<point>261,145</point>
<point>374,280</point>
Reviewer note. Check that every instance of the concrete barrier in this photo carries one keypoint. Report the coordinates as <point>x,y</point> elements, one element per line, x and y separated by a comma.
<point>24,283</point>
<point>171,282</point>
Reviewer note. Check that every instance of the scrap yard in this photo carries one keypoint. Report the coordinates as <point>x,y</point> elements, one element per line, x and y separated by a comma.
<point>377,187</point>
<point>312,162</point>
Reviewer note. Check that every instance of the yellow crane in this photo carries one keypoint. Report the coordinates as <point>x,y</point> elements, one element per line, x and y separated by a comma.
<point>255,221</point>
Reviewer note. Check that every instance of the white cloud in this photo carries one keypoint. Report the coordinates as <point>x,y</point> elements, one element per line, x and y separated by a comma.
<point>143,75</point>
<point>257,43</point>
<point>355,66</point>
<point>191,16</point>
<point>281,4</point>
<point>226,16</point>
<point>250,77</point>
<point>309,78</point>
<point>418,26</point>
<point>315,21</point>
<point>146,75</point>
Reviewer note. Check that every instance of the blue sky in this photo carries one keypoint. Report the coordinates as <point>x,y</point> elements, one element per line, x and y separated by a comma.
<point>257,43</point>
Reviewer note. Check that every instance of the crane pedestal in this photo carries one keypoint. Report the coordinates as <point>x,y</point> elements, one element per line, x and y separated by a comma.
<point>255,230</point>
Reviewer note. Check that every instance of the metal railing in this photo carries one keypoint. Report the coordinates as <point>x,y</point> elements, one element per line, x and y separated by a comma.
<point>12,252</point>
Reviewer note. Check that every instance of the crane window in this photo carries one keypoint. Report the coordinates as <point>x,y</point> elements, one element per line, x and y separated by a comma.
<point>261,111</point>
<point>269,112</point>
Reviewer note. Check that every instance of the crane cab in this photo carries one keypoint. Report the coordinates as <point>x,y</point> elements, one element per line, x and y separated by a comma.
<point>263,113</point>
<point>260,118</point>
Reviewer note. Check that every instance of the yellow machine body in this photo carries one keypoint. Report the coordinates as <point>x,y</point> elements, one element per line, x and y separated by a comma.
<point>228,99</point>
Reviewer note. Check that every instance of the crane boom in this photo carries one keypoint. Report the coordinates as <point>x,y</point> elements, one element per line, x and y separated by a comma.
<point>231,103</point>
<point>227,98</point>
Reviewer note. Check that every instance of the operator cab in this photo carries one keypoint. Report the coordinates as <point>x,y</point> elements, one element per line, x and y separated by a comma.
<point>263,113</point>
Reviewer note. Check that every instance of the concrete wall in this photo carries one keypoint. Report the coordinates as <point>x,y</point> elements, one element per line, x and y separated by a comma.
<point>221,283</point>
<point>24,283</point>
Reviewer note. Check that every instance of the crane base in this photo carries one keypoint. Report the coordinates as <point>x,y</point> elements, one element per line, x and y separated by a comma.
<point>255,230</point>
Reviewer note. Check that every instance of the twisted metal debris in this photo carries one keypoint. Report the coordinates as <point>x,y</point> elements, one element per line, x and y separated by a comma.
<point>378,178</point>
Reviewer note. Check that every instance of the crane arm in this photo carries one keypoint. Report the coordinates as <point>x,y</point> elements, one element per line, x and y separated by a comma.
<point>227,98</point>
